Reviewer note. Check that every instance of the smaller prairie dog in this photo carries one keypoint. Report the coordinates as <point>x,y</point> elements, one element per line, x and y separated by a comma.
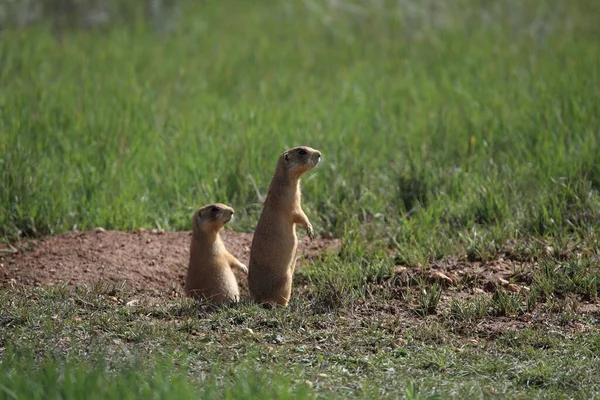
<point>273,252</point>
<point>209,274</point>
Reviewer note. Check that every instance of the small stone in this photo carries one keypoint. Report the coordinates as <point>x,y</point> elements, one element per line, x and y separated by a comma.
<point>503,281</point>
<point>308,383</point>
<point>132,303</point>
<point>142,230</point>
<point>440,276</point>
<point>248,330</point>
<point>154,231</point>
<point>511,287</point>
<point>549,251</point>
<point>99,229</point>
<point>398,269</point>
<point>490,389</point>
<point>479,291</point>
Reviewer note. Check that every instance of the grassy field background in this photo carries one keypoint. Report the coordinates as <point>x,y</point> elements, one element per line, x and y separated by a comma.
<point>448,129</point>
<point>448,126</point>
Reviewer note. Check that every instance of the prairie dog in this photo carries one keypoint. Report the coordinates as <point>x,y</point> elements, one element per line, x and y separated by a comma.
<point>273,250</point>
<point>209,275</point>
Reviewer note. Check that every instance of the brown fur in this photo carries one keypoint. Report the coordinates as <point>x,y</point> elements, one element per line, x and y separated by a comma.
<point>273,250</point>
<point>209,274</point>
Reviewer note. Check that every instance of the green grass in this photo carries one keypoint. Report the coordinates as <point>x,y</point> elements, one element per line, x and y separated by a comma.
<point>444,130</point>
<point>61,343</point>
<point>462,128</point>
<point>53,377</point>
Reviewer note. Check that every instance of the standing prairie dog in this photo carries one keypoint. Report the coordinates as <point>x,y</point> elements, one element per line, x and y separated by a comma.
<point>273,250</point>
<point>209,274</point>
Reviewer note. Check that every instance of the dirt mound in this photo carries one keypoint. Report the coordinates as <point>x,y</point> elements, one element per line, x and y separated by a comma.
<point>473,276</point>
<point>155,261</point>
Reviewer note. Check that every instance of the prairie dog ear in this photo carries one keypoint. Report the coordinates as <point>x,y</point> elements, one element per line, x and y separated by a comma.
<point>286,156</point>
<point>197,220</point>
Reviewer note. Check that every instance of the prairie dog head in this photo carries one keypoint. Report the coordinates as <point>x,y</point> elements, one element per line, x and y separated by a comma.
<point>299,160</point>
<point>212,217</point>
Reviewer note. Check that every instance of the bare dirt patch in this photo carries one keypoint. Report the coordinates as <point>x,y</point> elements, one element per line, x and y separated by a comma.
<point>148,261</point>
<point>154,264</point>
<point>473,276</point>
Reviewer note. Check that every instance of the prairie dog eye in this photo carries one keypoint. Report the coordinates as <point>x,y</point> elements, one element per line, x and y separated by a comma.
<point>302,152</point>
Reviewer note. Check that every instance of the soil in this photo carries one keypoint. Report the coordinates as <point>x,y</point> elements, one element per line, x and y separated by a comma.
<point>155,263</point>
<point>143,260</point>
